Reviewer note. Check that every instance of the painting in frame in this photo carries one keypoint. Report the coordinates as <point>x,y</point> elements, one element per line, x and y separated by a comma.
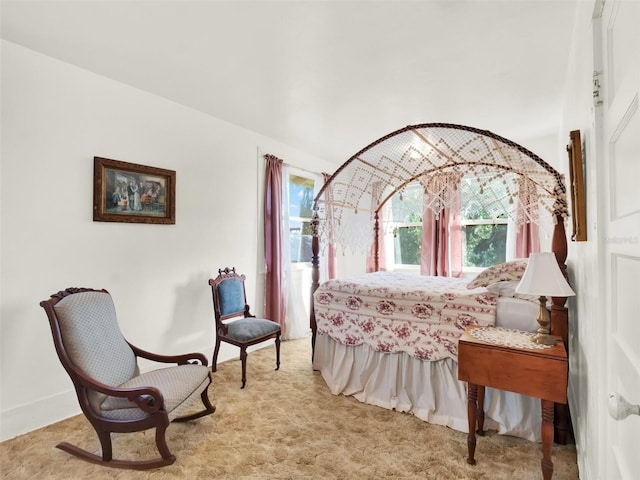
<point>576,179</point>
<point>132,193</point>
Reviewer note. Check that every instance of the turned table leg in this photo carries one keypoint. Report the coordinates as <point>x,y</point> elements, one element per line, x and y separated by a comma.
<point>472,408</point>
<point>547,439</point>
<point>480,411</point>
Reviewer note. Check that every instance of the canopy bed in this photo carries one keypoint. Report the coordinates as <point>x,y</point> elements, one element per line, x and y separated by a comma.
<point>392,342</point>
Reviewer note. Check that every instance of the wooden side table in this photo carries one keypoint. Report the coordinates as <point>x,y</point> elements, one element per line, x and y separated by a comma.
<point>540,373</point>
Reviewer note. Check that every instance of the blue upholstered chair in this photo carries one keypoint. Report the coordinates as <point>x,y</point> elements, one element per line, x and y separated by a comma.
<point>113,394</point>
<point>234,322</point>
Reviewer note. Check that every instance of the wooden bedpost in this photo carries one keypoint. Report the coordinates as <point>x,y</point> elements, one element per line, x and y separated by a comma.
<point>315,276</point>
<point>376,242</point>
<point>560,325</point>
<point>559,312</point>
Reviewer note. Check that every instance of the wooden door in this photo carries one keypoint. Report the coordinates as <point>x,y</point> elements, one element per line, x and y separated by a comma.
<point>618,59</point>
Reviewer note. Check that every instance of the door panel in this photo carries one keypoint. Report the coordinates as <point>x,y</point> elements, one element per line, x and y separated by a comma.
<point>621,224</point>
<point>625,164</point>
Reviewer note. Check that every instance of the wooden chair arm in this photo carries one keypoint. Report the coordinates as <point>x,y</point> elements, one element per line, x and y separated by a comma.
<point>149,399</point>
<point>183,359</point>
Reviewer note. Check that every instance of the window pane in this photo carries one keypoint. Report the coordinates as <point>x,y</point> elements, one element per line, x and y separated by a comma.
<point>483,197</point>
<point>301,193</point>
<point>485,245</point>
<point>408,207</point>
<point>406,246</point>
<point>301,244</point>
<point>300,196</point>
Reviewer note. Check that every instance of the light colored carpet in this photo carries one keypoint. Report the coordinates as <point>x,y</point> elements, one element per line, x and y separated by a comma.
<point>286,425</point>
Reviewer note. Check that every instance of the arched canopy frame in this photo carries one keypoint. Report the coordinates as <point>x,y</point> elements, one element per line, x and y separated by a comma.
<point>348,203</point>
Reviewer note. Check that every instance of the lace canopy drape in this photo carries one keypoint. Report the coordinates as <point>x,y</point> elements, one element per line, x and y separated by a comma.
<point>527,186</point>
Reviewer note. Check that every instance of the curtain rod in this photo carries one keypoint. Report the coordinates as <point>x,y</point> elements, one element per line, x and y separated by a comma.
<point>292,166</point>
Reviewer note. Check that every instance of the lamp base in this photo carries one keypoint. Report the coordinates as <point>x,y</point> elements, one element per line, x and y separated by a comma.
<point>544,339</point>
<point>542,336</point>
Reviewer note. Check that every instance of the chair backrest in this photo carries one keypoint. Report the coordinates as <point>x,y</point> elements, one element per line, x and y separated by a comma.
<point>229,295</point>
<point>88,338</point>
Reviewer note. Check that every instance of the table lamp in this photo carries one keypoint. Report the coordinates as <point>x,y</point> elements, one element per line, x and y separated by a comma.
<point>543,277</point>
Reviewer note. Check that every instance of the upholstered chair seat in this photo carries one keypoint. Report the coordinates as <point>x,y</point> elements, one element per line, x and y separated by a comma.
<point>246,329</point>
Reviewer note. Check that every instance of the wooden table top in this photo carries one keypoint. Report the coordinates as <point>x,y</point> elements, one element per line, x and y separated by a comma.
<point>540,373</point>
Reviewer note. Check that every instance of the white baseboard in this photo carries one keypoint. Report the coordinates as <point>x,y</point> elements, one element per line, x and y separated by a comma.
<point>45,411</point>
<point>29,417</point>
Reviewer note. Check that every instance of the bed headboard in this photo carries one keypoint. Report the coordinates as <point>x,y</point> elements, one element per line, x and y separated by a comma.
<point>438,155</point>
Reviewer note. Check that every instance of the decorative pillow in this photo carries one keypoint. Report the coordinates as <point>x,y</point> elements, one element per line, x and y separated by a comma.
<point>508,289</point>
<point>503,272</point>
<point>504,289</point>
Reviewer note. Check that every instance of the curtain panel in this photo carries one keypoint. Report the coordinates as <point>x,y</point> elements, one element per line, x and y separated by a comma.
<point>331,243</point>
<point>441,249</point>
<point>275,298</point>
<point>528,233</point>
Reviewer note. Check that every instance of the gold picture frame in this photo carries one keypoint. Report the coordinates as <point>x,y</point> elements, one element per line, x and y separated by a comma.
<point>132,193</point>
<point>576,178</point>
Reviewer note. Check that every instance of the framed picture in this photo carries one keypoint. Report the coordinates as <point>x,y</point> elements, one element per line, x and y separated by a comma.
<point>576,177</point>
<point>127,192</point>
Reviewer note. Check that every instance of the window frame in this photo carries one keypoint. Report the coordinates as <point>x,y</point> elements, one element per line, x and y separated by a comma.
<point>391,251</point>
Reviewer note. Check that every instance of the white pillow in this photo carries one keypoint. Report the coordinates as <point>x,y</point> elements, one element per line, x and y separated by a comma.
<point>504,289</point>
<point>508,289</point>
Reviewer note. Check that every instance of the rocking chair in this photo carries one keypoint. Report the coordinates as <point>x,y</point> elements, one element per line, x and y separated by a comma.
<point>113,394</point>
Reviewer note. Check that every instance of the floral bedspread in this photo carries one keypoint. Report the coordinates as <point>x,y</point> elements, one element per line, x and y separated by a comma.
<point>396,312</point>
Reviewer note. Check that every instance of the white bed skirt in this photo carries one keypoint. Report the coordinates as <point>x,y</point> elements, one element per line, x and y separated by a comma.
<point>429,390</point>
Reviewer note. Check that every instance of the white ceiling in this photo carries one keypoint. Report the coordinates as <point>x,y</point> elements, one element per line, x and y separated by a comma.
<point>328,77</point>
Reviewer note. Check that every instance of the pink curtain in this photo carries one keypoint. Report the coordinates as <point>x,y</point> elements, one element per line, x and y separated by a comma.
<point>331,249</point>
<point>376,193</point>
<point>527,240</point>
<point>433,254</point>
<point>455,238</point>
<point>441,249</point>
<point>528,234</point>
<point>275,302</point>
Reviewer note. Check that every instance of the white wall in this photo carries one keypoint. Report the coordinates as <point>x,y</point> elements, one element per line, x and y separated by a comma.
<point>55,119</point>
<point>586,357</point>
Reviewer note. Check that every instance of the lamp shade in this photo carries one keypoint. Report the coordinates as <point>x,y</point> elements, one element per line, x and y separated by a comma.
<point>543,277</point>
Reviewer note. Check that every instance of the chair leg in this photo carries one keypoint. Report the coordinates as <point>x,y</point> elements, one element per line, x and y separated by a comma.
<point>105,444</point>
<point>243,358</point>
<point>277,352</point>
<point>107,455</point>
<point>161,442</point>
<point>208,408</point>
<point>216,350</point>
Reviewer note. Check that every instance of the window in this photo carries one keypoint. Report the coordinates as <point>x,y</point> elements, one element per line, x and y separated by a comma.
<point>301,194</point>
<point>406,215</point>
<point>483,223</point>
<point>484,241</point>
